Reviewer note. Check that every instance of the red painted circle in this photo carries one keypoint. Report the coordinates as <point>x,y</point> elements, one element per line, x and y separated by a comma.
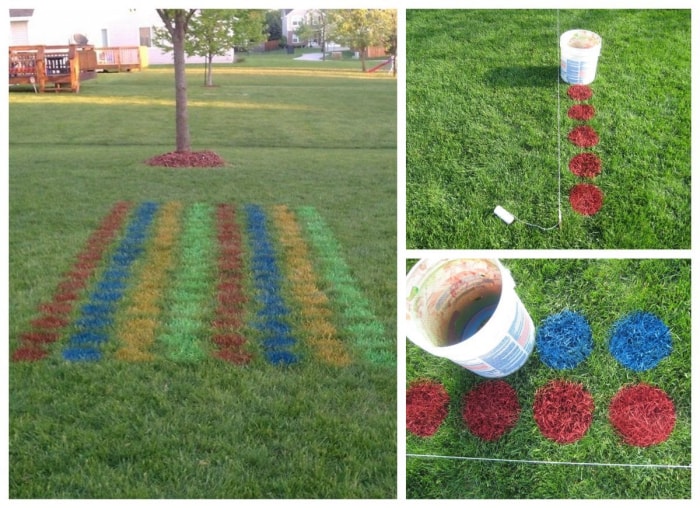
<point>234,356</point>
<point>584,136</point>
<point>39,337</point>
<point>582,112</point>
<point>28,354</point>
<point>579,92</point>
<point>586,198</point>
<point>426,407</point>
<point>563,411</point>
<point>642,414</point>
<point>491,409</point>
<point>585,165</point>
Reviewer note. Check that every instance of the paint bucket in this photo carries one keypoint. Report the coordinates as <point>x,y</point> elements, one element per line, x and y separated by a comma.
<point>466,310</point>
<point>580,50</point>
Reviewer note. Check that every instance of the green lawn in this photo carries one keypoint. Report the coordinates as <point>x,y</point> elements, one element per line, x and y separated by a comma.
<point>318,137</point>
<point>603,291</point>
<point>481,113</point>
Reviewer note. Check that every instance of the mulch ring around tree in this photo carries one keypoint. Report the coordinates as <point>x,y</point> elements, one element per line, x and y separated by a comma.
<point>642,414</point>
<point>586,198</point>
<point>579,92</point>
<point>491,409</point>
<point>585,165</point>
<point>563,411</point>
<point>426,407</point>
<point>203,159</point>
<point>584,136</point>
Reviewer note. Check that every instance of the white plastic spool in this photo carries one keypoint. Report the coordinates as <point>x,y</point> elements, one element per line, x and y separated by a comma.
<point>466,310</point>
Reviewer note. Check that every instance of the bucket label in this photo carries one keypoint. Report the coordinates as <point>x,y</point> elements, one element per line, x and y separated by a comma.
<point>577,72</point>
<point>522,329</point>
<point>507,355</point>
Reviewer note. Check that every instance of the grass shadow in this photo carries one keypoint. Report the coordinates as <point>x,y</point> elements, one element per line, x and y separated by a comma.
<point>523,76</point>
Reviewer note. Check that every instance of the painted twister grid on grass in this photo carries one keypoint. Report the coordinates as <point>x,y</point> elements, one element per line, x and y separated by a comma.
<point>54,315</point>
<point>366,332</point>
<point>185,282</point>
<point>642,415</point>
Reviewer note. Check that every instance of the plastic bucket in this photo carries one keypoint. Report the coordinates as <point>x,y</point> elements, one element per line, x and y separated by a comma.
<point>580,50</point>
<point>466,310</point>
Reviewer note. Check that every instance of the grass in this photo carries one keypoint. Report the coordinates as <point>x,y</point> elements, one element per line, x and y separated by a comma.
<point>303,136</point>
<point>481,129</point>
<point>603,291</point>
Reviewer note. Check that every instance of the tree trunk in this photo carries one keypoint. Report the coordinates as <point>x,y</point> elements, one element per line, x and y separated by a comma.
<point>210,80</point>
<point>363,56</point>
<point>182,128</point>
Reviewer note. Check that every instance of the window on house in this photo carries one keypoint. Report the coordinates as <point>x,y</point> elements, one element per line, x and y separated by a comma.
<point>145,36</point>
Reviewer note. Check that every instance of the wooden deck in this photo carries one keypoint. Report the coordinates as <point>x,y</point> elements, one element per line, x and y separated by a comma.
<point>119,59</point>
<point>57,67</point>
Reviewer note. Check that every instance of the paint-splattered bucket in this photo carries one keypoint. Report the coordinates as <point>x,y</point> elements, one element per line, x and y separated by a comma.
<point>580,50</point>
<point>466,310</point>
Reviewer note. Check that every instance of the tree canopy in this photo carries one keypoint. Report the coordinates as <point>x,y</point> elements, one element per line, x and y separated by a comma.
<point>362,28</point>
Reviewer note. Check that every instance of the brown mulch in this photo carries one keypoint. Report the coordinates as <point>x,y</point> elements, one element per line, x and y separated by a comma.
<point>203,159</point>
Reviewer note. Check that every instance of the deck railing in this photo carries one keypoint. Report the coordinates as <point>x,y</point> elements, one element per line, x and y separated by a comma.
<point>44,66</point>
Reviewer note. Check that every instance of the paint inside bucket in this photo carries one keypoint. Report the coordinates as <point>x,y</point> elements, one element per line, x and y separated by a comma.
<point>466,310</point>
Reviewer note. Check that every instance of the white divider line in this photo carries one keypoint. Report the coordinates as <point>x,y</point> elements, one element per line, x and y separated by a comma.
<point>549,462</point>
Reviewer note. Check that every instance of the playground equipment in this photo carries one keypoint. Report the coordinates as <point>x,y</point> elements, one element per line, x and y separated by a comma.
<point>387,62</point>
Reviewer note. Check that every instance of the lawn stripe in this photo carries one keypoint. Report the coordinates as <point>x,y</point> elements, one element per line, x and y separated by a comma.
<point>273,313</point>
<point>92,327</point>
<point>32,344</point>
<point>358,319</point>
<point>226,328</point>
<point>137,329</point>
<point>314,311</point>
<point>189,297</point>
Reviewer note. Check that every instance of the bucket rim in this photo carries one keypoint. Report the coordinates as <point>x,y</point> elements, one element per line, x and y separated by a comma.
<point>507,298</point>
<point>564,43</point>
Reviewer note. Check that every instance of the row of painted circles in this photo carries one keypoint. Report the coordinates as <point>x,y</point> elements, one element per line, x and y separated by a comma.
<point>642,415</point>
<point>585,198</point>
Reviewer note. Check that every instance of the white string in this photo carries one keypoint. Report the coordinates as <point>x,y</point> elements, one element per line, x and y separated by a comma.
<point>558,224</point>
<point>550,462</point>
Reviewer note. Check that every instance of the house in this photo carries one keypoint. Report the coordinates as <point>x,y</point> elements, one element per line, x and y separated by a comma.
<point>101,27</point>
<point>19,26</point>
<point>292,19</point>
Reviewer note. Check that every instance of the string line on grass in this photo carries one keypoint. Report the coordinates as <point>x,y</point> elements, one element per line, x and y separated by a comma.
<point>548,462</point>
<point>559,214</point>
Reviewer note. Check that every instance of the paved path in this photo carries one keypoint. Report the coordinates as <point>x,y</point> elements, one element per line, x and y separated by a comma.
<point>310,56</point>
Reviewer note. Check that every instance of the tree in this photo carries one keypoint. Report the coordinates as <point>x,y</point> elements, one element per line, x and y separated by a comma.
<point>210,34</point>
<point>362,28</point>
<point>250,28</point>
<point>273,20</point>
<point>176,21</point>
<point>215,32</point>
